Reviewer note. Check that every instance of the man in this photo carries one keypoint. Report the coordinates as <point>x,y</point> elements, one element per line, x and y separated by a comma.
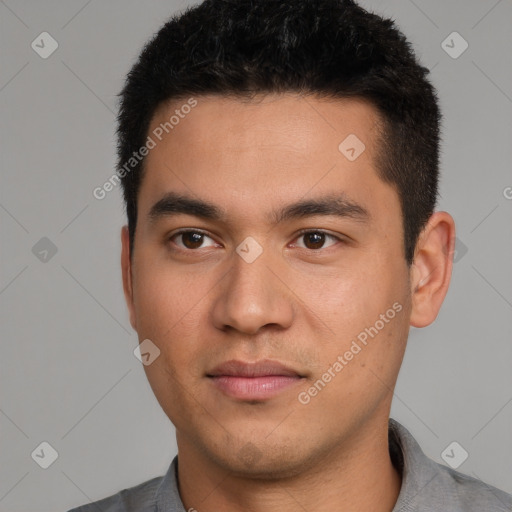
<point>279,162</point>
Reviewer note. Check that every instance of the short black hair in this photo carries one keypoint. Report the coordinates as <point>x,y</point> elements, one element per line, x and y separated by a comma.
<point>327,48</point>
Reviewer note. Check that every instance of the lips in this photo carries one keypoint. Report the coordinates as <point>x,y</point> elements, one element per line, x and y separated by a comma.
<point>253,381</point>
<point>263,368</point>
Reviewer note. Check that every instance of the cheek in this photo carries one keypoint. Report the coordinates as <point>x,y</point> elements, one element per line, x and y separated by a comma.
<point>168,317</point>
<point>166,299</point>
<point>350,297</point>
<point>366,312</point>
<point>358,371</point>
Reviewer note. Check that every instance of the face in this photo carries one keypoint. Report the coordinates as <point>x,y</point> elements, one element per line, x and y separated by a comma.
<point>276,345</point>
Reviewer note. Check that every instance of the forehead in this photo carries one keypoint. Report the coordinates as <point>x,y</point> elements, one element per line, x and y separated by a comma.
<point>275,148</point>
<point>281,121</point>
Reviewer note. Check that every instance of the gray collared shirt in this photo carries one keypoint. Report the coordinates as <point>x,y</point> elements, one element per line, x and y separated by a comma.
<point>426,486</point>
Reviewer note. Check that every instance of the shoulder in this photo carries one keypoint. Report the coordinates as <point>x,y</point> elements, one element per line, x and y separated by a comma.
<point>140,498</point>
<point>470,494</point>
<point>428,485</point>
<point>158,494</point>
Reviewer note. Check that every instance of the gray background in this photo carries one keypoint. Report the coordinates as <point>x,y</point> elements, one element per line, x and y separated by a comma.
<point>68,373</point>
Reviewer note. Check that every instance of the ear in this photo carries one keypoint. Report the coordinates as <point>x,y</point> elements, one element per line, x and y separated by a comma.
<point>432,268</point>
<point>126,267</point>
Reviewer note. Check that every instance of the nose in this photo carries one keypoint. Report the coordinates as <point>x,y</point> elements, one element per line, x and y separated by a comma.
<point>252,296</point>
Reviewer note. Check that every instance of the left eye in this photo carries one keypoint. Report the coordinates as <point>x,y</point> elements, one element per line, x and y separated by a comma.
<point>315,239</point>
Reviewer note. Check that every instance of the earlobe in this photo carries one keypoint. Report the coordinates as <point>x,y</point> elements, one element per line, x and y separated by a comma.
<point>432,268</point>
<point>126,268</point>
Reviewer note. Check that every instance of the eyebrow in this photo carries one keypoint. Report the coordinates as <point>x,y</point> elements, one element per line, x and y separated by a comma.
<point>173,203</point>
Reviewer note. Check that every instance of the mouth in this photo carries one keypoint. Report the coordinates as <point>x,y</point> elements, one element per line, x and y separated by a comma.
<point>257,381</point>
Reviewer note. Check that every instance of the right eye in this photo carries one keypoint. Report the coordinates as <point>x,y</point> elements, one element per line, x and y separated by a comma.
<point>190,239</point>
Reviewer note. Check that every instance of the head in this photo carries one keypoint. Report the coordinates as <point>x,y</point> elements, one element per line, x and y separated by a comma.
<point>261,120</point>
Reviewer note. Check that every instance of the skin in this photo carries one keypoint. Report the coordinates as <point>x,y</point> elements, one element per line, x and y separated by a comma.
<point>297,303</point>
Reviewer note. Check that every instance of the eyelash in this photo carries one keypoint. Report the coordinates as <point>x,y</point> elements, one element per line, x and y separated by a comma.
<point>299,235</point>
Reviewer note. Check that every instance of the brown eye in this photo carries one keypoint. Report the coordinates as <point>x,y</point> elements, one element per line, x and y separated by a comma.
<point>192,240</point>
<point>315,240</point>
<point>189,239</point>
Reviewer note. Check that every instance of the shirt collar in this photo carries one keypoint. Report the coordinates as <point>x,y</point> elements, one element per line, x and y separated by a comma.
<point>417,470</point>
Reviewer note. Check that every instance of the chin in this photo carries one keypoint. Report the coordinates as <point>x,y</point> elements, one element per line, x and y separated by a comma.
<point>263,462</point>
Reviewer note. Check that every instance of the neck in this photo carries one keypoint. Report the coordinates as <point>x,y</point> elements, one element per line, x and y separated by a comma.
<point>356,476</point>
